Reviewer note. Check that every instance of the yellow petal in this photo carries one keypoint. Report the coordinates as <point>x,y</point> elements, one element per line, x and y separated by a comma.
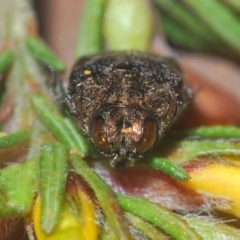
<point>68,226</point>
<point>220,181</point>
<point>90,229</point>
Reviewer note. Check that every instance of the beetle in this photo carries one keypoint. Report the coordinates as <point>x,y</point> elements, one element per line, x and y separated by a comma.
<point>126,101</point>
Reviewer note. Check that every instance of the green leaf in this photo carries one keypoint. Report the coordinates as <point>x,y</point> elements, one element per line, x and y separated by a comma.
<point>6,58</point>
<point>53,175</point>
<point>161,217</point>
<point>180,36</point>
<point>13,144</point>
<point>18,184</point>
<point>176,11</point>
<point>168,167</point>
<point>145,227</point>
<point>223,22</point>
<point>212,229</point>
<point>43,53</point>
<point>183,151</point>
<point>62,128</point>
<point>217,131</point>
<point>13,139</point>
<point>90,36</point>
<point>233,4</point>
<point>80,142</point>
<point>106,197</point>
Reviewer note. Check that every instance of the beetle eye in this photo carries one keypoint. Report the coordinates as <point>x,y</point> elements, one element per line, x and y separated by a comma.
<point>99,136</point>
<point>149,136</point>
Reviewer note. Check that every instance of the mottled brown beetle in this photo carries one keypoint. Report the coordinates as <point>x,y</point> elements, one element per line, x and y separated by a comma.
<point>125,101</point>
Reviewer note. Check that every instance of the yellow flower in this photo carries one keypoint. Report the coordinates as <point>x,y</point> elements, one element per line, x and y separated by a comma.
<point>69,227</point>
<point>220,181</point>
